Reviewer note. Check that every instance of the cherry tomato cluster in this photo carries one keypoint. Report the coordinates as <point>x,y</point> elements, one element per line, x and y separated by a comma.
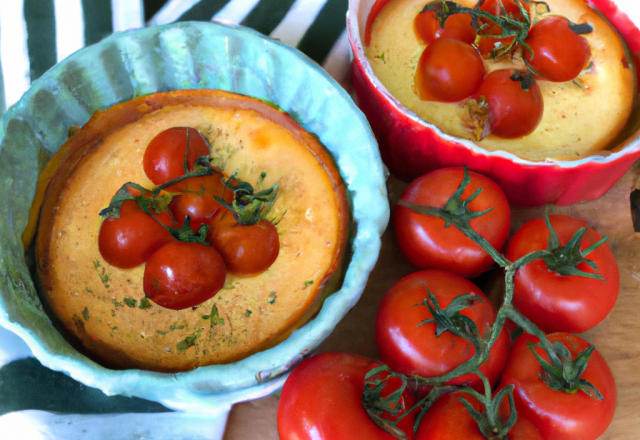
<point>518,372</point>
<point>506,102</point>
<point>190,230</point>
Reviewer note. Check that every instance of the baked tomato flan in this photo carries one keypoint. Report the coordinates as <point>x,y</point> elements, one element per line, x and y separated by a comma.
<point>566,116</point>
<point>112,308</point>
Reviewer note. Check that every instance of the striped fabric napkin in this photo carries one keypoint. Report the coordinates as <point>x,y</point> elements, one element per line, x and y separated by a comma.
<point>35,402</point>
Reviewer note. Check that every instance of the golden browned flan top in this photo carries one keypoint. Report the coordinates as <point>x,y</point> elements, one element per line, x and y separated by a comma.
<point>105,307</point>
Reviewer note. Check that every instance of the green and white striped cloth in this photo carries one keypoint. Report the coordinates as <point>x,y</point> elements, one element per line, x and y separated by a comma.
<point>36,34</point>
<point>35,402</point>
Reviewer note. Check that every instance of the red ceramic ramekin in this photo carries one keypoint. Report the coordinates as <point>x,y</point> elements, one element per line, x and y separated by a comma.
<point>411,147</point>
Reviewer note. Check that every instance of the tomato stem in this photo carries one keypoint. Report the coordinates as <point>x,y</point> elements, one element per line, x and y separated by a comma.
<point>249,206</point>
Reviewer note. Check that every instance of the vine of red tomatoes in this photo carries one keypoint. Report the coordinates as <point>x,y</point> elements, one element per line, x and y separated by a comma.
<point>192,228</point>
<point>507,102</point>
<point>440,336</point>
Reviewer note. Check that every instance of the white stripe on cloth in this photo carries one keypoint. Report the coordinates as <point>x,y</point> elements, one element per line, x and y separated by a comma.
<point>69,27</point>
<point>171,11</point>
<point>13,51</point>
<point>294,25</point>
<point>337,61</point>
<point>12,348</point>
<point>236,10</point>
<point>127,14</point>
<point>42,425</point>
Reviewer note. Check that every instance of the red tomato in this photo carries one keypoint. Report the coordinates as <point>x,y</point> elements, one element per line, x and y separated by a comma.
<point>448,419</point>
<point>426,243</point>
<point>181,275</point>
<point>164,158</point>
<point>448,71</point>
<point>513,112</point>
<point>200,209</point>
<point>557,302</point>
<point>322,400</point>
<point>487,44</point>
<point>410,349</point>
<point>556,414</point>
<point>559,54</point>
<point>129,241</point>
<point>457,27</point>
<point>245,249</point>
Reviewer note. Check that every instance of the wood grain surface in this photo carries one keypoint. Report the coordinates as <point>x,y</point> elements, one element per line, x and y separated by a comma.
<point>616,337</point>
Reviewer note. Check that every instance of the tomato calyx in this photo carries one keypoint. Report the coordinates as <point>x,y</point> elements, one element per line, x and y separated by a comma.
<point>564,371</point>
<point>449,318</point>
<point>565,259</point>
<point>249,206</point>
<point>490,423</point>
<point>526,80</point>
<point>380,405</point>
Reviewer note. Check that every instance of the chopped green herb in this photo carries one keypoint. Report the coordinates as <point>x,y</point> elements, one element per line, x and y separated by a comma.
<point>117,304</point>
<point>248,313</point>
<point>85,314</point>
<point>130,302</point>
<point>104,276</point>
<point>177,327</point>
<point>78,323</point>
<point>160,332</point>
<point>144,303</point>
<point>307,283</point>
<point>214,317</point>
<point>187,342</point>
<point>89,290</point>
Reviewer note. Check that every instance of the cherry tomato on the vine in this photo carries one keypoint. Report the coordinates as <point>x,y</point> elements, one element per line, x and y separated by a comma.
<point>457,27</point>
<point>245,249</point>
<point>413,349</point>
<point>426,243</point>
<point>558,414</point>
<point>201,209</point>
<point>448,419</point>
<point>448,71</point>
<point>181,275</point>
<point>322,400</point>
<point>556,302</point>
<point>513,111</point>
<point>164,158</point>
<point>129,240</point>
<point>559,54</point>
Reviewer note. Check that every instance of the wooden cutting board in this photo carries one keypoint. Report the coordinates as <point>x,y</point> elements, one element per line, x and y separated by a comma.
<point>616,337</point>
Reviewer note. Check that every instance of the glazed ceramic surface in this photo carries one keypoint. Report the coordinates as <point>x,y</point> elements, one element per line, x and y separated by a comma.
<point>182,56</point>
<point>411,147</point>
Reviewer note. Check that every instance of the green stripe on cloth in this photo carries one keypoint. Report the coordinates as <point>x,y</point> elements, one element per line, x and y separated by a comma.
<point>325,30</point>
<point>41,35</point>
<point>151,7</point>
<point>203,11</point>
<point>97,16</point>
<point>267,15</point>
<point>26,384</point>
